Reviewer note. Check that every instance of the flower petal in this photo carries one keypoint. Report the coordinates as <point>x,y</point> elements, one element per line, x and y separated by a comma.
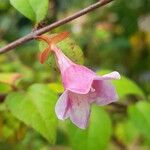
<point>105,92</point>
<point>78,79</point>
<point>62,106</point>
<point>80,109</point>
<point>62,61</point>
<point>112,76</point>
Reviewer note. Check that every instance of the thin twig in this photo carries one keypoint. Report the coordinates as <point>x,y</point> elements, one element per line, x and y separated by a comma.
<point>43,30</point>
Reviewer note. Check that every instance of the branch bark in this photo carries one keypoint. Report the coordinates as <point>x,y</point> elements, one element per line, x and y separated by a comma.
<point>56,24</point>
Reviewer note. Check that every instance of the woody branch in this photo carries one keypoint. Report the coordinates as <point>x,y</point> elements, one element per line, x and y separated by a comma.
<point>56,24</point>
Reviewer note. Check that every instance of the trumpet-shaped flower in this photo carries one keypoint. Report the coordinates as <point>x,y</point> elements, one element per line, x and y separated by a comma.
<point>82,88</point>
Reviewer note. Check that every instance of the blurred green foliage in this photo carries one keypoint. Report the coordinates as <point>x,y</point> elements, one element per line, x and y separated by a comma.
<point>115,37</point>
<point>36,109</point>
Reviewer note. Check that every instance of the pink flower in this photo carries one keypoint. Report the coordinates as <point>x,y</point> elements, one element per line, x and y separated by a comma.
<point>82,88</point>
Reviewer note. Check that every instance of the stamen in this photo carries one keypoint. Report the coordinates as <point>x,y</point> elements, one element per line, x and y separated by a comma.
<point>92,89</point>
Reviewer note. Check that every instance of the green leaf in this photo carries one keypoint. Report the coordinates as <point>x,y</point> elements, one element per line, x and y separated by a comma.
<point>40,8</point>
<point>56,87</point>
<point>9,78</point>
<point>69,48</point>
<point>36,109</point>
<point>96,136</point>
<point>139,115</point>
<point>5,88</point>
<point>125,86</point>
<point>9,124</point>
<point>35,10</point>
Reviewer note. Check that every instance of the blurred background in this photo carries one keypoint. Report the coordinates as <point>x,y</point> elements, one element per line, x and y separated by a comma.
<point>114,37</point>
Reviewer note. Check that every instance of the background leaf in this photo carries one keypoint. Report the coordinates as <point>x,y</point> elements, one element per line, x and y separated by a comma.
<point>139,115</point>
<point>96,136</point>
<point>36,109</point>
<point>56,87</point>
<point>9,78</point>
<point>35,10</point>
<point>5,88</point>
<point>126,132</point>
<point>71,50</point>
